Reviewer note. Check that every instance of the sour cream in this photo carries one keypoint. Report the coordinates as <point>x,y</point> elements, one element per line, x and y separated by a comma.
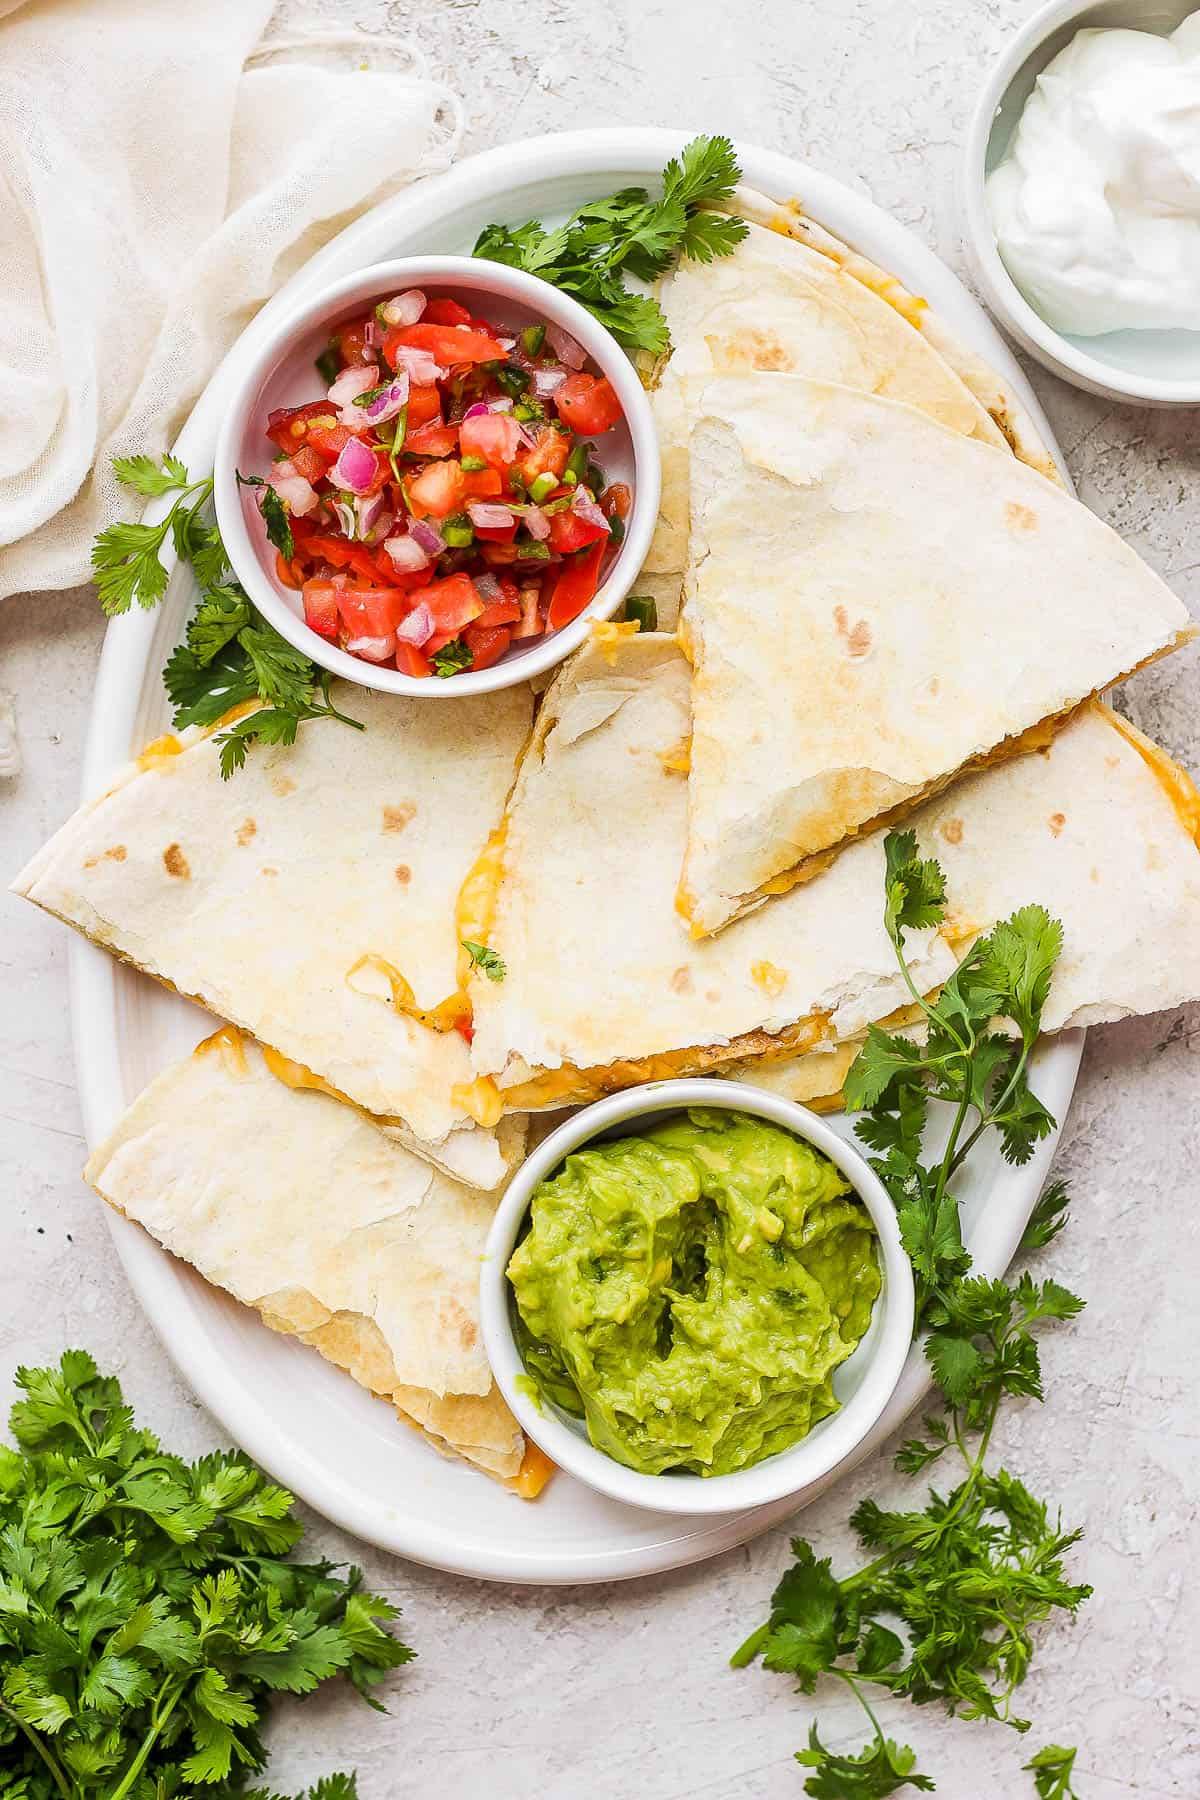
<point>1096,206</point>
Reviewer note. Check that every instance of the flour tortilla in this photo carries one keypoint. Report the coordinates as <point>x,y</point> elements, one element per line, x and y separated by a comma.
<point>1103,830</point>
<point>601,975</point>
<point>1007,412</point>
<point>303,1209</point>
<point>257,896</point>
<point>604,987</point>
<point>872,604</point>
<point>782,306</point>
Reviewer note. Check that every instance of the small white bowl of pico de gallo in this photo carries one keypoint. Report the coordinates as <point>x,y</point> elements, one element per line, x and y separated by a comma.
<point>436,475</point>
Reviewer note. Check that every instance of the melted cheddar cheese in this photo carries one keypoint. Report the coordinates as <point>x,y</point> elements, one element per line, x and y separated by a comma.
<point>229,1044</point>
<point>608,636</point>
<point>159,750</point>
<point>534,1472</point>
<point>387,981</point>
<point>296,1075</point>
<point>475,908</point>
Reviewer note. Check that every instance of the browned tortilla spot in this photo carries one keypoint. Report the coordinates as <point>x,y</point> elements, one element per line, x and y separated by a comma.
<point>283,784</point>
<point>749,350</point>
<point>403,874</point>
<point>395,818</point>
<point>952,830</point>
<point>1056,821</point>
<point>1019,518</point>
<point>681,980</point>
<point>246,831</point>
<point>176,863</point>
<point>856,637</point>
<point>268,870</point>
<point>118,853</point>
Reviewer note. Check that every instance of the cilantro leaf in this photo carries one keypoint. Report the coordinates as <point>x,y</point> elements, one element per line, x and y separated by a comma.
<point>451,658</point>
<point>1048,1217</point>
<point>490,961</point>
<point>221,614</point>
<point>883,1767</point>
<point>275,518</point>
<point>915,888</point>
<point>1052,1769</point>
<point>145,476</point>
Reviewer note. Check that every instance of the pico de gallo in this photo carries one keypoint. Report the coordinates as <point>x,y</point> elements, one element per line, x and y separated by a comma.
<point>442,500</point>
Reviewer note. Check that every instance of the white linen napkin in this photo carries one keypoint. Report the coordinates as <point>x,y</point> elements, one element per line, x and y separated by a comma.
<point>159,179</point>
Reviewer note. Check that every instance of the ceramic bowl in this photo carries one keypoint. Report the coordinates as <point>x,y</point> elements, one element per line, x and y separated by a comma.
<point>1157,368</point>
<point>282,373</point>
<point>863,1384</point>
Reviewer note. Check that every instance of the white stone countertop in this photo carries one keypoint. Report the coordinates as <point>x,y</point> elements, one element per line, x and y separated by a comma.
<point>623,1691</point>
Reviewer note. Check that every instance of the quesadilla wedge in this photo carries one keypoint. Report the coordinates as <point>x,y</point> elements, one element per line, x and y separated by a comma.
<point>1006,410</point>
<point>311,900</point>
<point>780,306</point>
<point>873,606</point>
<point>303,1209</point>
<point>603,987</point>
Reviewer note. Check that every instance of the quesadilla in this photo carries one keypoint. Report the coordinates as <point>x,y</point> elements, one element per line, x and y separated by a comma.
<point>780,306</point>
<point>311,899</point>
<point>604,988</point>
<point>1005,409</point>
<point>303,1209</point>
<point>873,606</point>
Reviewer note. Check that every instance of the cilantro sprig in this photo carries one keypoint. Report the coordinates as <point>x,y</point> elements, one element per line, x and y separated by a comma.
<point>151,1607</point>
<point>629,233</point>
<point>231,656</point>
<point>970,1576</point>
<point>490,962</point>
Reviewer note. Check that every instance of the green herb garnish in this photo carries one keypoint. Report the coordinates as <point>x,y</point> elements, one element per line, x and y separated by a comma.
<point>451,658</point>
<point>151,1607</point>
<point>532,339</point>
<point>490,961</point>
<point>275,515</point>
<point>231,655</point>
<point>640,609</point>
<point>973,1573</point>
<point>630,234</point>
<point>1051,1769</point>
<point>457,531</point>
<point>514,381</point>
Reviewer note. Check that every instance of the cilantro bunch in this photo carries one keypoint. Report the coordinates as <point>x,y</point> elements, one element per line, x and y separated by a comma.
<point>149,1608</point>
<point>946,1608</point>
<point>631,234</point>
<point>231,657</point>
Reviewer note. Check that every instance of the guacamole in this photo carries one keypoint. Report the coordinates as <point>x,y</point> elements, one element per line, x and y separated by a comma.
<point>690,1291</point>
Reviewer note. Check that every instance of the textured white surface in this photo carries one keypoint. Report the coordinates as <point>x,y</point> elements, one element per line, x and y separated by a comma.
<point>623,1692</point>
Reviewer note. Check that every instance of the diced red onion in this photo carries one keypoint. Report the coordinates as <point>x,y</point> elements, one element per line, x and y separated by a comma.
<point>488,588</point>
<point>492,518</point>
<point>350,383</point>
<point>503,404</point>
<point>421,368</point>
<point>355,468</point>
<point>388,404</point>
<point>407,554</point>
<point>373,334</point>
<point>346,517</point>
<point>537,524</point>
<point>373,649</point>
<point>427,535</point>
<point>565,347</point>
<point>404,309</point>
<point>527,437</point>
<point>548,381</point>
<point>507,343</point>
<point>298,495</point>
<point>584,507</point>
<point>477,411</point>
<point>371,512</point>
<point>417,628</point>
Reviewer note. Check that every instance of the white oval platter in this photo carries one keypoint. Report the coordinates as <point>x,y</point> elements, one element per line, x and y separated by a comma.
<point>326,1439</point>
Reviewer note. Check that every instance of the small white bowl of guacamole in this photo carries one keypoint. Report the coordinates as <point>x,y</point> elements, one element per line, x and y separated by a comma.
<point>694,1297</point>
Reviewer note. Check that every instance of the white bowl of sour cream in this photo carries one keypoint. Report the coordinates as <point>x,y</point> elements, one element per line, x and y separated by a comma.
<point>1082,195</point>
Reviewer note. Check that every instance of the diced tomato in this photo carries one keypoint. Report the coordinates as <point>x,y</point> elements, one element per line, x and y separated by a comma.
<point>482,484</point>
<point>411,661</point>
<point>453,602</point>
<point>451,344</point>
<point>424,404</point>
<point>432,439</point>
<point>340,555</point>
<point>501,612</point>
<point>351,343</point>
<point>498,556</point>
<point>487,644</point>
<point>286,572</point>
<point>309,463</point>
<point>496,534</point>
<point>328,440</point>
<point>568,532</point>
<point>616,501</point>
<point>548,455</point>
<point>531,619</point>
<point>587,405</point>
<point>320,608</point>
<point>290,426</point>
<point>575,587</point>
<point>371,612</point>
<point>445,312</point>
<point>438,490</point>
<point>496,437</point>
